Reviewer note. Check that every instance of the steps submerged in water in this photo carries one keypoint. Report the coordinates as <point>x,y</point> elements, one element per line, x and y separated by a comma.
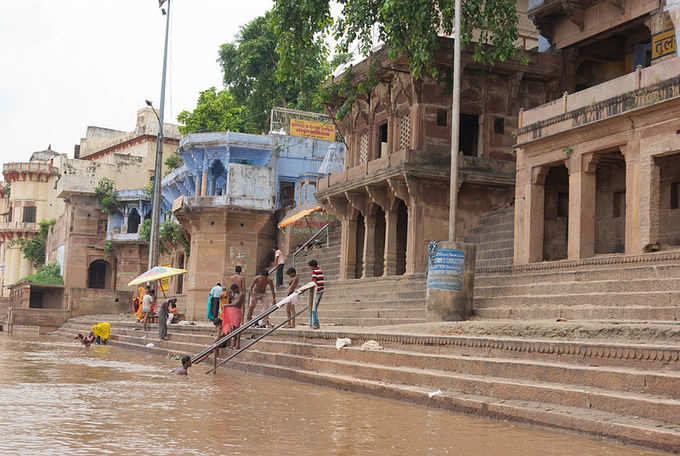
<point>627,391</point>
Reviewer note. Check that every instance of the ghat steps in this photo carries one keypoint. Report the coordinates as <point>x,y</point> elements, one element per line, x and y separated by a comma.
<point>614,388</point>
<point>619,291</point>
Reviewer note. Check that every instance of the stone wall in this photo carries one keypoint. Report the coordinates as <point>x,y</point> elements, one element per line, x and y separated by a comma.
<point>87,301</point>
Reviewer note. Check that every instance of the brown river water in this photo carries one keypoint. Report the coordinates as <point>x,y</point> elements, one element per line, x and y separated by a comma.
<point>57,398</point>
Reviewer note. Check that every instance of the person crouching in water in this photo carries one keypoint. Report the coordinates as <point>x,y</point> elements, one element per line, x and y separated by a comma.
<point>232,313</point>
<point>184,368</point>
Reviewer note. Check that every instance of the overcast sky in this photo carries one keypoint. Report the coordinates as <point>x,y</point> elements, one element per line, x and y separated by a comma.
<point>67,64</point>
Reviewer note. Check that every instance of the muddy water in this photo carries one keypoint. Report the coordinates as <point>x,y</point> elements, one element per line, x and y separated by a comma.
<point>58,398</point>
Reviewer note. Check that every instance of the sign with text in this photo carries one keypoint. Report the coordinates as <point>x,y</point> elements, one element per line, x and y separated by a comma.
<point>312,129</point>
<point>445,270</point>
<point>165,283</point>
<point>663,44</point>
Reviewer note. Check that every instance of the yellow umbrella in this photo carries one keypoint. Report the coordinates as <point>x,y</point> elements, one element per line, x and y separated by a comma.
<point>295,217</point>
<point>157,273</point>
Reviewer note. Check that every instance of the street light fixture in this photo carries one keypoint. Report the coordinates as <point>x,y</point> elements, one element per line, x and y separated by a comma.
<point>158,170</point>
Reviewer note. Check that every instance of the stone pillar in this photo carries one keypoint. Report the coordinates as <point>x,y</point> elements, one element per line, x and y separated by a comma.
<point>582,195</point>
<point>649,200</point>
<point>415,241</point>
<point>631,152</point>
<point>369,246</point>
<point>529,214</point>
<point>673,10</point>
<point>204,183</point>
<point>198,187</point>
<point>348,244</point>
<point>391,217</point>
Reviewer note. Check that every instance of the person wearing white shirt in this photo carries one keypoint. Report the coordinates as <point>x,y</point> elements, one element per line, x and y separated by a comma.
<point>214,308</point>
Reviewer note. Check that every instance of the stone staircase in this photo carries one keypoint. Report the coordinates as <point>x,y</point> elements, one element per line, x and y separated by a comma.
<point>601,288</point>
<point>494,237</point>
<point>606,387</point>
<point>358,302</point>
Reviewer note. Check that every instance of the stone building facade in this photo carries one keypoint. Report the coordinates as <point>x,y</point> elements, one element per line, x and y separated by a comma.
<point>393,195</point>
<point>598,169</point>
<point>227,197</point>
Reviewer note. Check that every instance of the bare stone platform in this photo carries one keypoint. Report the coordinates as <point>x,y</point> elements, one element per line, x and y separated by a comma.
<point>614,379</point>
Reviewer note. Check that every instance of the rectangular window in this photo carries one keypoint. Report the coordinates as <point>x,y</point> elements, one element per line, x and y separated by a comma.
<point>29,214</point>
<point>499,125</point>
<point>469,134</point>
<point>563,204</point>
<point>619,204</point>
<point>675,189</point>
<point>382,140</point>
<point>441,117</point>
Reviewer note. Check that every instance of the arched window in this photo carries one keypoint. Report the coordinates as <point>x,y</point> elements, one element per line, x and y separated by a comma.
<point>133,221</point>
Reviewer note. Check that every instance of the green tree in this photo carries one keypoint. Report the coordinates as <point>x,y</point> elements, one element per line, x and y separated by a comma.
<point>174,161</point>
<point>215,111</point>
<point>407,27</point>
<point>253,73</point>
<point>104,193</point>
<point>34,249</point>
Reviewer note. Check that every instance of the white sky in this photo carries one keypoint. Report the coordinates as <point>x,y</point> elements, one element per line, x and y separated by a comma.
<point>67,64</point>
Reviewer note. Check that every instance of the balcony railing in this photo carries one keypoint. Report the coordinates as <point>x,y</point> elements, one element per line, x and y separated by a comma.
<point>641,88</point>
<point>29,167</point>
<point>18,227</point>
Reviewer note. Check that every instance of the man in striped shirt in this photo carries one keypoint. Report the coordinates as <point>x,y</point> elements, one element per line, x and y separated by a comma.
<point>317,277</point>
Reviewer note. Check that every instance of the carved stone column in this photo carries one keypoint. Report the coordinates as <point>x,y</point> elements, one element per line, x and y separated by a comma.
<point>631,153</point>
<point>582,196</point>
<point>535,213</point>
<point>369,246</point>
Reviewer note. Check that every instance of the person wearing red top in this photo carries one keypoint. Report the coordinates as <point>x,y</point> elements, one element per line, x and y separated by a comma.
<point>318,278</point>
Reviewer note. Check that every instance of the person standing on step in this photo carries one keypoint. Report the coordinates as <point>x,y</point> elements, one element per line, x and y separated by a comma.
<point>292,285</point>
<point>258,291</point>
<point>147,301</point>
<point>214,302</point>
<point>163,311</point>
<point>238,279</point>
<point>279,260</point>
<point>318,278</point>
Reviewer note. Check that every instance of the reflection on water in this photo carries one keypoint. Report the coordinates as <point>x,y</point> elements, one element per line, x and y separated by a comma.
<point>59,398</point>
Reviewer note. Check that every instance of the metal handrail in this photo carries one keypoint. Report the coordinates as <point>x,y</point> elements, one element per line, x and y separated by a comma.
<point>312,239</point>
<point>260,337</point>
<point>211,348</point>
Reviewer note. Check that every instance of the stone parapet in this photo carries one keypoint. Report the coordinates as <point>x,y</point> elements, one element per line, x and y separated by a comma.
<point>639,89</point>
<point>11,171</point>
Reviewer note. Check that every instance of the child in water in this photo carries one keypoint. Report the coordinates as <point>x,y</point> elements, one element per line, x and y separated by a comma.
<point>184,368</point>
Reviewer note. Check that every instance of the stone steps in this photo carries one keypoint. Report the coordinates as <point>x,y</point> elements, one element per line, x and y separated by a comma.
<point>622,390</point>
<point>552,312</point>
<point>633,271</point>
<point>580,286</point>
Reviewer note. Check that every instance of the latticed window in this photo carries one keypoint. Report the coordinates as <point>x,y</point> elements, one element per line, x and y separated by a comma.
<point>363,148</point>
<point>404,132</point>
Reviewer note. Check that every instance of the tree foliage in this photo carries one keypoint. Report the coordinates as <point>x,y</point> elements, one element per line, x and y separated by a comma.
<point>34,249</point>
<point>406,27</point>
<point>145,230</point>
<point>255,82</point>
<point>215,111</point>
<point>170,232</point>
<point>174,161</point>
<point>46,275</point>
<point>104,193</point>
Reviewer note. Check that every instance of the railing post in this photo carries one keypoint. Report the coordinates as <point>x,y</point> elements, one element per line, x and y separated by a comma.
<point>217,350</point>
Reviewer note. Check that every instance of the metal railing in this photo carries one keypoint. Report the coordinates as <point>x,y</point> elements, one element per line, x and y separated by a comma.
<point>312,241</point>
<point>214,348</point>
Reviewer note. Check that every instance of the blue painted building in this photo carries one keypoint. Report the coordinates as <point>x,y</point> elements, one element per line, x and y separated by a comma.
<point>295,162</point>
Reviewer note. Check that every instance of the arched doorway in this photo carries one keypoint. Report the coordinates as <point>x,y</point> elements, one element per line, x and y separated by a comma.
<point>218,178</point>
<point>133,221</point>
<point>99,275</point>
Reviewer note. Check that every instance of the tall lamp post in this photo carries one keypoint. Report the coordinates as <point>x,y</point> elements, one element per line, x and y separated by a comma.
<point>158,170</point>
<point>455,124</point>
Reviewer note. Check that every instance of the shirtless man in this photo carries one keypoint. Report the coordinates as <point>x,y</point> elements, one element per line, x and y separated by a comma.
<point>184,368</point>
<point>238,279</point>
<point>258,290</point>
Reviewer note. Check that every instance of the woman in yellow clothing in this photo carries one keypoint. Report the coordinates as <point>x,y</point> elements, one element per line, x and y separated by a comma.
<point>102,331</point>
